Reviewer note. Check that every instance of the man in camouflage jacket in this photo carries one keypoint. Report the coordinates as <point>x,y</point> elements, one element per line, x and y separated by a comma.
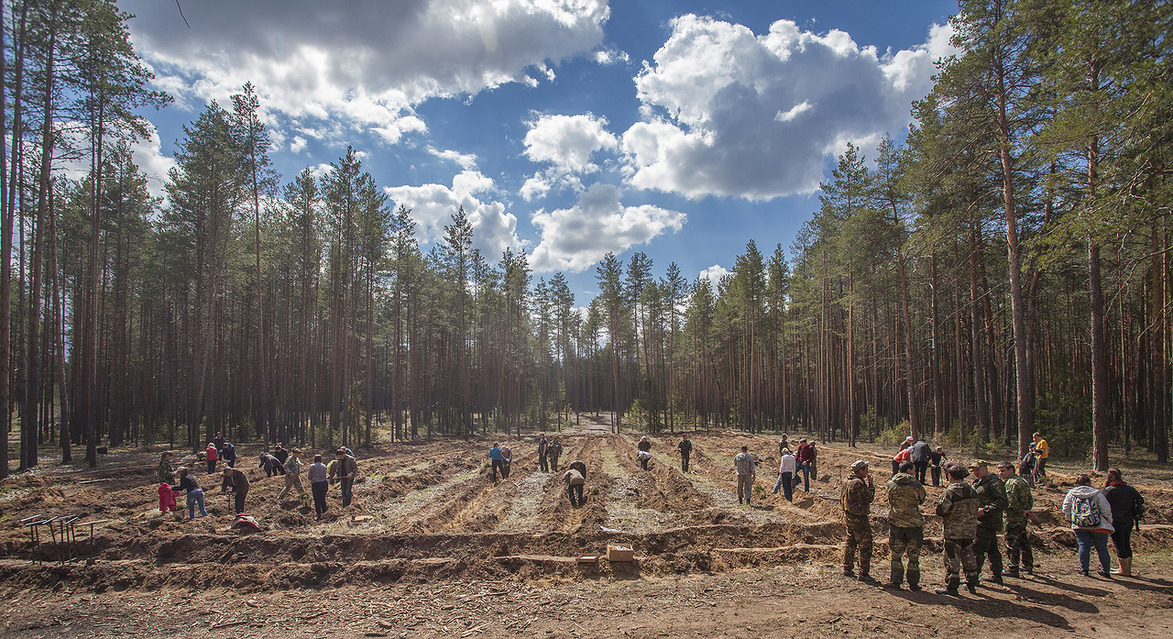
<point>1020,502</point>
<point>991,504</point>
<point>293,476</point>
<point>906,532</point>
<point>957,509</point>
<point>856,496</point>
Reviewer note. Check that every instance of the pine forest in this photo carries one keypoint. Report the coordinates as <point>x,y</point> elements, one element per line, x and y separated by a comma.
<point>1001,268</point>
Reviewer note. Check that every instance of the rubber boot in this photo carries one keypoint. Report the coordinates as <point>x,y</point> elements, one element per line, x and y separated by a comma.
<point>896,577</point>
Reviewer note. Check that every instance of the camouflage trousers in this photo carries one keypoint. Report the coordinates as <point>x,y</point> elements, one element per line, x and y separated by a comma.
<point>986,544</point>
<point>958,555</point>
<point>292,480</point>
<point>859,535</point>
<point>1018,545</point>
<point>906,541</point>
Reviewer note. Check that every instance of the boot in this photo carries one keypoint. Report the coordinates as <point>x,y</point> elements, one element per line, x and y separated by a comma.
<point>948,591</point>
<point>1125,569</point>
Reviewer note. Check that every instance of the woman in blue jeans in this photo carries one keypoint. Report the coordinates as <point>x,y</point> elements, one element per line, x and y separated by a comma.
<point>1090,515</point>
<point>195,494</point>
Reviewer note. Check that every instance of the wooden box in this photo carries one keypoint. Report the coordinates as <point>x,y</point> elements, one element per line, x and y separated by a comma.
<point>619,553</point>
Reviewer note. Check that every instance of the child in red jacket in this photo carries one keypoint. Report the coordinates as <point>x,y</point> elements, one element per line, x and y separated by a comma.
<point>166,498</point>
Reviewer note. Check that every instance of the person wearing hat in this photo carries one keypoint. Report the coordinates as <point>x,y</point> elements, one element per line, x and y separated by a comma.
<point>992,503</point>
<point>856,496</point>
<point>236,484</point>
<point>904,455</point>
<point>957,508</point>
<point>345,471</point>
<point>292,466</point>
<point>1019,504</point>
<point>935,459</point>
<point>906,530</point>
<point>166,472</point>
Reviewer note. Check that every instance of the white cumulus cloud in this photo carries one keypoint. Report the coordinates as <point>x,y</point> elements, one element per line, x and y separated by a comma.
<point>567,142</point>
<point>575,238</point>
<point>568,146</point>
<point>433,205</point>
<point>730,113</point>
<point>714,274</point>
<point>365,63</point>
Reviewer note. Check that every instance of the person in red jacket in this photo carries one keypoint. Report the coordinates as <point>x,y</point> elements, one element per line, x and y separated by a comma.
<point>211,455</point>
<point>166,498</point>
<point>804,457</point>
<point>904,455</point>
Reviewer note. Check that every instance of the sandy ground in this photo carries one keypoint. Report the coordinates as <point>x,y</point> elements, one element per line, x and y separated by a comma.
<point>433,547</point>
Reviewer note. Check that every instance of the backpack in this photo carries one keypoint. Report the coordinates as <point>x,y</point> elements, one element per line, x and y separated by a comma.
<point>1085,512</point>
<point>1138,509</point>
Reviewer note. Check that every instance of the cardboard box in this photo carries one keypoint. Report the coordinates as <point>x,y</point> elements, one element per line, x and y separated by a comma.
<point>619,553</point>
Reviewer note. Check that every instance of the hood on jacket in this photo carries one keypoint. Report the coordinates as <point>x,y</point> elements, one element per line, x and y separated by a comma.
<point>903,479</point>
<point>1084,491</point>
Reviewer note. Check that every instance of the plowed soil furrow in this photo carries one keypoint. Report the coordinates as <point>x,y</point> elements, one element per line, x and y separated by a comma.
<point>489,508</point>
<point>662,487</point>
<point>437,508</point>
<point>558,515</point>
<point>632,494</point>
<point>520,511</point>
<point>435,513</point>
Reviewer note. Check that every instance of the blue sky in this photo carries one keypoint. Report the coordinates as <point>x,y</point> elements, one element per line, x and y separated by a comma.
<point>566,128</point>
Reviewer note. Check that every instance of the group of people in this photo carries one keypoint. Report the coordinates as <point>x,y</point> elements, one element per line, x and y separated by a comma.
<point>923,458</point>
<point>343,469</point>
<point>792,463</point>
<point>548,453</point>
<point>549,450</point>
<point>973,515</point>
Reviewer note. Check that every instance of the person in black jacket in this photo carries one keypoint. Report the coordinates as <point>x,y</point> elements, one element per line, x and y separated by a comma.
<point>271,465</point>
<point>228,454</point>
<point>1125,502</point>
<point>282,455</point>
<point>921,455</point>
<point>685,448</point>
<point>935,459</point>
<point>195,494</point>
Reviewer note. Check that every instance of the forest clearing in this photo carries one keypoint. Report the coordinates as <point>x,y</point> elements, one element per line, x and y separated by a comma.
<point>432,547</point>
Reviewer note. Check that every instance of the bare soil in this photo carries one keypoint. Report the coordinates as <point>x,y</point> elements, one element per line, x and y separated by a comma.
<point>432,546</point>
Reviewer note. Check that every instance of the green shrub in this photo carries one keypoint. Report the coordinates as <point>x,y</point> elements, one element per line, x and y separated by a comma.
<point>893,435</point>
